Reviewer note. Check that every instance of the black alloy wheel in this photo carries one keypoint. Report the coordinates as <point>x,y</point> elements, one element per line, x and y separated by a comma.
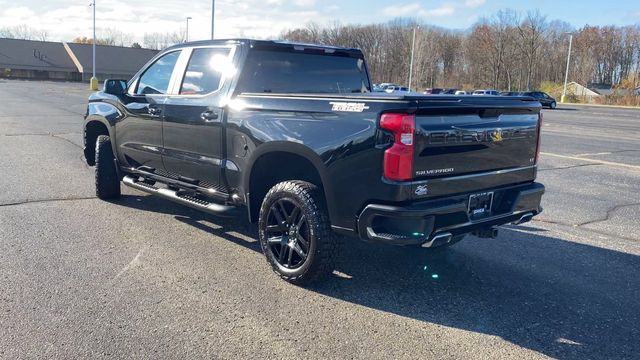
<point>288,234</point>
<point>295,232</point>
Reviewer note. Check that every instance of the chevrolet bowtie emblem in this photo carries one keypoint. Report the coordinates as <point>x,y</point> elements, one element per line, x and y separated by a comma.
<point>496,135</point>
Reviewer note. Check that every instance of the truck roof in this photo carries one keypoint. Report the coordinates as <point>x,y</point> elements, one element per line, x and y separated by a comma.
<point>265,44</point>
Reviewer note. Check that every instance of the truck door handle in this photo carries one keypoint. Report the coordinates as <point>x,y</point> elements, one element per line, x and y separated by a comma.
<point>209,116</point>
<point>155,111</point>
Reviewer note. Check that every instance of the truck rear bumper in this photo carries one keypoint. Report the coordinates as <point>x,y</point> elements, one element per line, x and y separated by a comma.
<point>425,222</point>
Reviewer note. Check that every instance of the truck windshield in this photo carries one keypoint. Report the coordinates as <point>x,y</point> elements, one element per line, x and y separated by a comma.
<point>298,72</point>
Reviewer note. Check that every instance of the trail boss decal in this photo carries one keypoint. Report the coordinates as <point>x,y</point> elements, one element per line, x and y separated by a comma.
<point>348,106</point>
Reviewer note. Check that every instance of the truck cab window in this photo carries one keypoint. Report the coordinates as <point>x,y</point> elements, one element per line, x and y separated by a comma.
<point>303,73</point>
<point>205,71</point>
<point>155,80</point>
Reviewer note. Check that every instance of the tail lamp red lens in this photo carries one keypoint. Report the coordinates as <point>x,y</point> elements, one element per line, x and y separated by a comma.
<point>398,159</point>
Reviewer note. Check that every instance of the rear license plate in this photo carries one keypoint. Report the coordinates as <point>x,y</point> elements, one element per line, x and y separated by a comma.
<point>480,204</point>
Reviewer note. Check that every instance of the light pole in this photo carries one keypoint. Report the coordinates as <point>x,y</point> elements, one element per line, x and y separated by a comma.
<point>93,83</point>
<point>563,98</point>
<point>187,35</point>
<point>213,16</point>
<point>413,44</point>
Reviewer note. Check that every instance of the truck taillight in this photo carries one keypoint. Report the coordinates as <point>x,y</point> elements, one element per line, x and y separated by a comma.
<point>538,140</point>
<point>398,159</point>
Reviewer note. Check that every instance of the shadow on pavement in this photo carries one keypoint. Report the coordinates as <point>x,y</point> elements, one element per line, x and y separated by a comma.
<point>560,298</point>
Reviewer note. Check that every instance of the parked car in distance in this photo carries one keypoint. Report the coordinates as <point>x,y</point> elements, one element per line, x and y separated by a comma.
<point>433,91</point>
<point>397,89</point>
<point>461,92</point>
<point>486,92</point>
<point>449,91</point>
<point>384,86</point>
<point>511,93</point>
<point>545,99</point>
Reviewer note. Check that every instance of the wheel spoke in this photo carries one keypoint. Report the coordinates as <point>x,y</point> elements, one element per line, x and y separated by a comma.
<point>299,250</point>
<point>274,240</point>
<point>301,238</point>
<point>283,211</point>
<point>279,228</point>
<point>283,251</point>
<point>294,215</point>
<point>290,256</point>
<point>286,222</point>
<point>303,241</point>
<point>276,212</point>
<point>300,222</point>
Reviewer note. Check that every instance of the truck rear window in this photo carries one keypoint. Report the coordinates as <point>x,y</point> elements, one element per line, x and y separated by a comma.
<point>297,72</point>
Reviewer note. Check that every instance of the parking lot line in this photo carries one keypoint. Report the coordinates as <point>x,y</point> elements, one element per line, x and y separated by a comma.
<point>595,161</point>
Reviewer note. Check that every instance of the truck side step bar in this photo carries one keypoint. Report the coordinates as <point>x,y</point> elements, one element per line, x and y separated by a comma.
<point>146,172</point>
<point>176,196</point>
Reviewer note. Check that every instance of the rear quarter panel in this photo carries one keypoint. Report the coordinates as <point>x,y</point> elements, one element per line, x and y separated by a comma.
<point>340,144</point>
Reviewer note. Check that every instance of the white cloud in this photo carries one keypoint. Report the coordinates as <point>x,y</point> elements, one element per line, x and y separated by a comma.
<point>415,9</point>
<point>67,19</point>
<point>474,3</point>
<point>402,10</point>
<point>299,3</point>
<point>304,3</point>
<point>19,12</point>
<point>439,11</point>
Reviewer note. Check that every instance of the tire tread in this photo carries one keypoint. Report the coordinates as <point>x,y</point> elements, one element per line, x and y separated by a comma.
<point>326,241</point>
<point>107,181</point>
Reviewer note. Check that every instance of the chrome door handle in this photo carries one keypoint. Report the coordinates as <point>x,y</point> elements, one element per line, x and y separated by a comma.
<point>152,110</point>
<point>209,116</point>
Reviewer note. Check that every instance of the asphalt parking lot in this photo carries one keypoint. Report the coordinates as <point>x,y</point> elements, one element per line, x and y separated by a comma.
<point>142,277</point>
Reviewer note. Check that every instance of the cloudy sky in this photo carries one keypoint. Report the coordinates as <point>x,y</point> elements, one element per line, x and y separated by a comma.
<point>66,19</point>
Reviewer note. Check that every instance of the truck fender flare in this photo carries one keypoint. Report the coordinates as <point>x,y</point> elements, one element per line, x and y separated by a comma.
<point>295,149</point>
<point>107,113</point>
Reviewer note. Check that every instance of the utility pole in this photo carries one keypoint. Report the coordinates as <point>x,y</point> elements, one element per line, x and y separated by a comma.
<point>93,83</point>
<point>563,98</point>
<point>187,35</point>
<point>213,16</point>
<point>413,44</point>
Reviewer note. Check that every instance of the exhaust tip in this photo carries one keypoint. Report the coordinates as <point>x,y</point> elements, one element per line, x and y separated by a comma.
<point>438,240</point>
<point>523,219</point>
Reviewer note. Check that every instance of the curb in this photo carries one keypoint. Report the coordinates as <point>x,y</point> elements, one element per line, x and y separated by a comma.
<point>600,105</point>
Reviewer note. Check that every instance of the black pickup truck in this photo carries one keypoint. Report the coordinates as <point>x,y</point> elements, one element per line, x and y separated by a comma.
<point>291,135</point>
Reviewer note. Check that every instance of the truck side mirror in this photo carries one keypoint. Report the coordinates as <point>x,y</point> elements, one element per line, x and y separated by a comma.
<point>115,87</point>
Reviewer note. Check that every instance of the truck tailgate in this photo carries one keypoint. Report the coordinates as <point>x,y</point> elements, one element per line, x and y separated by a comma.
<point>466,137</point>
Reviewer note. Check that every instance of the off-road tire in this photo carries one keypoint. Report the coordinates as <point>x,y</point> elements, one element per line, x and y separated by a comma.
<point>107,180</point>
<point>322,242</point>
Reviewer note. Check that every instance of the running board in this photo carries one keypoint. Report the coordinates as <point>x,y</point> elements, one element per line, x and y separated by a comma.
<point>198,204</point>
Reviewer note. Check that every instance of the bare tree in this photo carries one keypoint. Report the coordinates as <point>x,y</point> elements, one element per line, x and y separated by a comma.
<point>159,41</point>
<point>532,32</point>
<point>505,51</point>
<point>24,32</point>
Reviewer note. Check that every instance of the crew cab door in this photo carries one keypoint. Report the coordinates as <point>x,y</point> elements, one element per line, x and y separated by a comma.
<point>139,134</point>
<point>193,117</point>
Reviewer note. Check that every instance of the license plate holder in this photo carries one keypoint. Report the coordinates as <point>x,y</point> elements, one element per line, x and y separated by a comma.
<point>480,204</point>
